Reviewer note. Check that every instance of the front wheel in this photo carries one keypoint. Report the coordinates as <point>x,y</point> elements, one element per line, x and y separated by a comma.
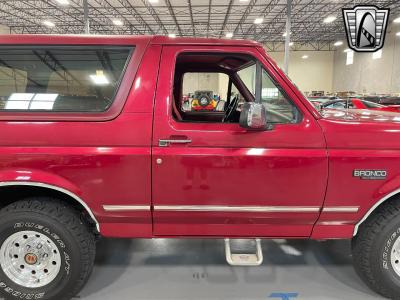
<point>46,250</point>
<point>376,250</point>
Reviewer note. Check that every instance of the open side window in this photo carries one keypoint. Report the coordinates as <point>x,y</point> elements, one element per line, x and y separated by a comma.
<point>207,86</point>
<point>212,87</point>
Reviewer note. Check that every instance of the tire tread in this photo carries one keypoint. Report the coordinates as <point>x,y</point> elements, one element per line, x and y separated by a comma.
<point>364,241</point>
<point>69,217</point>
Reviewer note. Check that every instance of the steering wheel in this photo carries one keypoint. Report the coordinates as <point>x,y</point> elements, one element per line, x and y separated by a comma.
<point>231,108</point>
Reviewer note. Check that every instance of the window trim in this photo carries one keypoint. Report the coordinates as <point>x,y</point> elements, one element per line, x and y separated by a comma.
<point>120,95</point>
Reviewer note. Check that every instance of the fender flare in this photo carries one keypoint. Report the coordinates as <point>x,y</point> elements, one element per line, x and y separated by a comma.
<point>373,208</point>
<point>56,188</point>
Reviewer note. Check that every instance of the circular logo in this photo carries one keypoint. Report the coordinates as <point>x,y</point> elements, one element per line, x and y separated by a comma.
<point>204,101</point>
<point>31,259</point>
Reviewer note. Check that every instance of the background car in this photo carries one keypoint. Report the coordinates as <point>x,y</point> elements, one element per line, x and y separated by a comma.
<point>318,100</point>
<point>355,103</point>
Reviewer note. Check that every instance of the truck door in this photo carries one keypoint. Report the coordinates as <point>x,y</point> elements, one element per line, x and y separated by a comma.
<point>212,177</point>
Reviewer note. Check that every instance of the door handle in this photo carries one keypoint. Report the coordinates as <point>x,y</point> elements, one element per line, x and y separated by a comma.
<point>167,142</point>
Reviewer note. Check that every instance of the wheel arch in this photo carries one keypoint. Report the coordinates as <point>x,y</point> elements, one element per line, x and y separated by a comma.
<point>11,191</point>
<point>381,202</point>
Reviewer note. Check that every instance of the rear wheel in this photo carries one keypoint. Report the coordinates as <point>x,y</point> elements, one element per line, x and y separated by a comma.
<point>46,250</point>
<point>376,250</point>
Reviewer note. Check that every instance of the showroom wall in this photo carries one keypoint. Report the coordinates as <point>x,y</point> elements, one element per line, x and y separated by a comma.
<point>312,74</point>
<point>368,75</point>
<point>4,29</point>
<point>218,83</point>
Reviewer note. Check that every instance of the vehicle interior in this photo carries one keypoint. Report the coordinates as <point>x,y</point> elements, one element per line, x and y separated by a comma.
<point>212,87</point>
<point>211,67</point>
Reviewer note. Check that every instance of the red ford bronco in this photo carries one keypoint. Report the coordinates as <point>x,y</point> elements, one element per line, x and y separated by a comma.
<point>94,142</point>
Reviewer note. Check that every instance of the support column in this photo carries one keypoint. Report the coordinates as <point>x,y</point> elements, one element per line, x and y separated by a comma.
<point>287,40</point>
<point>86,16</point>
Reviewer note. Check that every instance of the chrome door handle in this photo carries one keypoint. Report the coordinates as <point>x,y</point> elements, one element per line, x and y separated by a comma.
<point>166,143</point>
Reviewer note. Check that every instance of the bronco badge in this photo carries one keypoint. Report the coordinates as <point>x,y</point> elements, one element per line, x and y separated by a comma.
<point>370,174</point>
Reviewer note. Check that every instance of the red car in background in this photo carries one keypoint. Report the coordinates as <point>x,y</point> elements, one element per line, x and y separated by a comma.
<point>355,103</point>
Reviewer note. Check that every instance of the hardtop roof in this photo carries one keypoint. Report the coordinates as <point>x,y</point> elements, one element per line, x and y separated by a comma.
<point>49,39</point>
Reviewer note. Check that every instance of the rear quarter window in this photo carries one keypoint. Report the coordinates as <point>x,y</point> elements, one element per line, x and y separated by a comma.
<point>61,79</point>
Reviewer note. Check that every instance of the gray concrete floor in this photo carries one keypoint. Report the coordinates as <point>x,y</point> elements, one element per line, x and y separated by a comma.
<point>196,269</point>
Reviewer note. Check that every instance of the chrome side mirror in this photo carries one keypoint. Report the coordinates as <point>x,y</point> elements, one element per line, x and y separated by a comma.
<point>253,116</point>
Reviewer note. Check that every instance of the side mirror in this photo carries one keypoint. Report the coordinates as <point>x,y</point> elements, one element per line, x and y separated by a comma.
<point>253,116</point>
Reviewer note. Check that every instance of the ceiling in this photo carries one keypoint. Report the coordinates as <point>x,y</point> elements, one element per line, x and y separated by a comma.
<point>200,18</point>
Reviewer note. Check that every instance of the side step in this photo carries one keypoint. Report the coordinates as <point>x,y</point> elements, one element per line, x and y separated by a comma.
<point>244,259</point>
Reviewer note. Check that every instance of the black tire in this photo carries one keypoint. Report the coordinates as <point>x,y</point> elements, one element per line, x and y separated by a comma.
<point>65,227</point>
<point>372,248</point>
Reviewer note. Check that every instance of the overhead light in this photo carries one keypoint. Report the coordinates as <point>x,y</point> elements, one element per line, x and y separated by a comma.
<point>285,34</point>
<point>172,35</point>
<point>229,35</point>
<point>258,20</point>
<point>329,19</point>
<point>63,2</point>
<point>397,20</point>
<point>118,22</point>
<point>304,57</point>
<point>243,0</point>
<point>398,34</point>
<point>338,43</point>
<point>99,78</point>
<point>291,44</point>
<point>48,23</point>
<point>153,1</point>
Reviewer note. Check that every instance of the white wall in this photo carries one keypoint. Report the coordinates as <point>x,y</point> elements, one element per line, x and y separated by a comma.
<point>4,29</point>
<point>216,82</point>
<point>367,75</point>
<point>312,74</point>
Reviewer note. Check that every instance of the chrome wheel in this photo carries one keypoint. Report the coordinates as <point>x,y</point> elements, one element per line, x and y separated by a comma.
<point>30,259</point>
<point>395,256</point>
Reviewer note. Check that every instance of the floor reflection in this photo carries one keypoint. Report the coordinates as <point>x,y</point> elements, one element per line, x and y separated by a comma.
<point>196,269</point>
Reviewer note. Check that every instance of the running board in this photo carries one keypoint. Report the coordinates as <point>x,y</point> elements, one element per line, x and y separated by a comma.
<point>245,259</point>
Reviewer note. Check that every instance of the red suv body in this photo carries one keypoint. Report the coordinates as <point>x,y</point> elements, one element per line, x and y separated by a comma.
<point>140,171</point>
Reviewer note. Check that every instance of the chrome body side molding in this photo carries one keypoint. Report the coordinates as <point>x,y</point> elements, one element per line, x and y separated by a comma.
<point>126,207</point>
<point>223,208</point>
<point>341,209</point>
